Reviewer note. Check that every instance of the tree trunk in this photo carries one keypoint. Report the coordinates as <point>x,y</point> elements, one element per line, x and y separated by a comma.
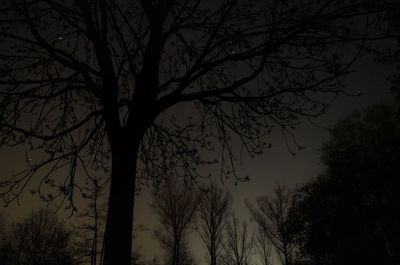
<point>286,254</point>
<point>118,231</point>
<point>175,258</point>
<point>213,254</point>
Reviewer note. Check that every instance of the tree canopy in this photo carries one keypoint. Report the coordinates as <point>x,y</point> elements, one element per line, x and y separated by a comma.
<point>348,214</point>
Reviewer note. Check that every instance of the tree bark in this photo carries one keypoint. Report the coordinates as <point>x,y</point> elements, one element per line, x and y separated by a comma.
<point>118,231</point>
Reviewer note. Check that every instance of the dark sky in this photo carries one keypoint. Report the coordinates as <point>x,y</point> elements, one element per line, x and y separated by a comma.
<point>275,165</point>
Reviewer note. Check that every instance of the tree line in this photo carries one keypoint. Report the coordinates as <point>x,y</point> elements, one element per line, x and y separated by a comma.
<point>346,215</point>
<point>43,239</point>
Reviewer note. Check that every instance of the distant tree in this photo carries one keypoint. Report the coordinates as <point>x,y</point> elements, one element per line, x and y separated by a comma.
<point>41,239</point>
<point>185,256</point>
<point>92,85</point>
<point>391,24</point>
<point>263,247</point>
<point>213,212</point>
<point>154,261</point>
<point>349,214</point>
<point>3,237</point>
<point>89,230</point>
<point>2,226</point>
<point>271,214</point>
<point>137,255</point>
<point>238,244</point>
<point>175,206</point>
<point>90,224</point>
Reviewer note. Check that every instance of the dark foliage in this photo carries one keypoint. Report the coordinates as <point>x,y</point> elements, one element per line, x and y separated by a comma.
<point>349,214</point>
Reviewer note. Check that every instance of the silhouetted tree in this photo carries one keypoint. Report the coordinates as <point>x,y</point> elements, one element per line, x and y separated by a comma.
<point>391,24</point>
<point>154,261</point>
<point>91,86</point>
<point>2,226</point>
<point>41,239</point>
<point>213,212</point>
<point>185,256</point>
<point>3,236</point>
<point>263,247</point>
<point>137,255</point>
<point>176,207</point>
<point>271,215</point>
<point>348,215</point>
<point>89,230</point>
<point>91,222</point>
<point>238,244</point>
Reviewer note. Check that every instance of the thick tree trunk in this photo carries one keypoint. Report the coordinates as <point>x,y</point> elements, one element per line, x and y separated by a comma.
<point>118,232</point>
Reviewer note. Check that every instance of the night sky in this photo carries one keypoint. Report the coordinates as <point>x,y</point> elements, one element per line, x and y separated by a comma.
<point>276,165</point>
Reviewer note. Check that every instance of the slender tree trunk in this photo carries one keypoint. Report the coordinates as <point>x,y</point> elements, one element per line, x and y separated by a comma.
<point>286,254</point>
<point>94,242</point>
<point>175,259</point>
<point>118,232</point>
<point>212,252</point>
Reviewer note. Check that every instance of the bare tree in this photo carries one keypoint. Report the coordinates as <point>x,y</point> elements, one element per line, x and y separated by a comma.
<point>91,222</point>
<point>271,215</point>
<point>213,212</point>
<point>3,241</point>
<point>264,248</point>
<point>175,206</point>
<point>40,239</point>
<point>2,226</point>
<point>185,255</point>
<point>154,261</point>
<point>91,85</point>
<point>239,244</point>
